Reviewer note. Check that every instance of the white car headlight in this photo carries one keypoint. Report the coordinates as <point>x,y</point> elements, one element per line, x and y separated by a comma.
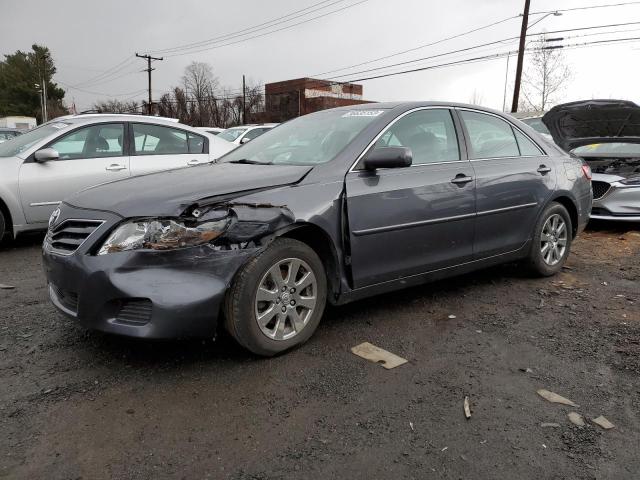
<point>162,234</point>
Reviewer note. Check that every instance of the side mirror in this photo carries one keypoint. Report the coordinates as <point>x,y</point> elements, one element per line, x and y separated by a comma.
<point>388,157</point>
<point>45,155</point>
<point>245,140</point>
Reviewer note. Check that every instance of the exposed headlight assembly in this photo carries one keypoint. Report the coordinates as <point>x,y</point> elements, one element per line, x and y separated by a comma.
<point>162,234</point>
<point>635,181</point>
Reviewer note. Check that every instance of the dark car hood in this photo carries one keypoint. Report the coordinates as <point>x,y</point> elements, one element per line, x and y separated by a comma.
<point>593,121</point>
<point>169,193</point>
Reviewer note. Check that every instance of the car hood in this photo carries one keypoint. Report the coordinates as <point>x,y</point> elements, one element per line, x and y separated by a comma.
<point>170,192</point>
<point>593,121</point>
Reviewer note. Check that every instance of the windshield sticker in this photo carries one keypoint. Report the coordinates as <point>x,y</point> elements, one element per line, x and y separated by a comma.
<point>363,113</point>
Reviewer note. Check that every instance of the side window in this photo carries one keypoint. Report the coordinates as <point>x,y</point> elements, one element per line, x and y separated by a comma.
<point>96,141</point>
<point>527,147</point>
<point>196,143</point>
<point>159,140</point>
<point>430,134</point>
<point>490,136</point>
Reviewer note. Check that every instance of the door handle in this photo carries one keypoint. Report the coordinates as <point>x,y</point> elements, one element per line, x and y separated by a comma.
<point>543,169</point>
<point>193,162</point>
<point>461,179</point>
<point>114,167</point>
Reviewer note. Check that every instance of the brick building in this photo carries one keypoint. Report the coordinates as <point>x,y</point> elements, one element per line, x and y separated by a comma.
<point>292,98</point>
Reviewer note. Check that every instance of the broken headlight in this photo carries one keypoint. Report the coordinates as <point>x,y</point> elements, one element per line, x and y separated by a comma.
<point>162,234</point>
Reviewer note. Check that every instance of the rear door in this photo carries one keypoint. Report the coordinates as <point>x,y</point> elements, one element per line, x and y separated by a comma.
<point>159,147</point>
<point>514,180</point>
<point>88,156</point>
<point>406,221</point>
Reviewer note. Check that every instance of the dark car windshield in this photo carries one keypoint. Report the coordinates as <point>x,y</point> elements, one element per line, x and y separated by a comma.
<point>616,149</point>
<point>309,140</point>
<point>22,142</point>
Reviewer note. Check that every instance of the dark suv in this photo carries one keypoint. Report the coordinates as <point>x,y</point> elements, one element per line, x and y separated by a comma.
<point>334,206</point>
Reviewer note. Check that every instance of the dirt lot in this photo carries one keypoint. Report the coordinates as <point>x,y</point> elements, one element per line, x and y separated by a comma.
<point>78,404</point>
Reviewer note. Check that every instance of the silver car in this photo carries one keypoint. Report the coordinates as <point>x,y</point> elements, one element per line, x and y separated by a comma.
<point>49,163</point>
<point>606,134</point>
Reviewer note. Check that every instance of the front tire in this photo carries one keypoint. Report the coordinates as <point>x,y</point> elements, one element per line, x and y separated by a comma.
<point>3,227</point>
<point>551,241</point>
<point>277,299</point>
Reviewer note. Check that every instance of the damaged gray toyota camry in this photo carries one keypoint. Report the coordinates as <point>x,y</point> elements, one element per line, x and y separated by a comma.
<point>331,207</point>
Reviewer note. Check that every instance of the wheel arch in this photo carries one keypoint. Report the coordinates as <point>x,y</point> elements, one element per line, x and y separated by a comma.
<point>570,204</point>
<point>321,243</point>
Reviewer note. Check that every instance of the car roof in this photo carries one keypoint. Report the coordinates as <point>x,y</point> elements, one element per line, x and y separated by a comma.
<point>123,117</point>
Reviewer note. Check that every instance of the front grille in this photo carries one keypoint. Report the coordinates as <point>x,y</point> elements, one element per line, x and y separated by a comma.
<point>136,311</point>
<point>600,189</point>
<point>67,237</point>
<point>66,298</point>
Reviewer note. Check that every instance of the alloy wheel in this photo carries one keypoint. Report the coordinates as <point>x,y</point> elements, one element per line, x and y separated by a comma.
<point>286,298</point>
<point>553,240</point>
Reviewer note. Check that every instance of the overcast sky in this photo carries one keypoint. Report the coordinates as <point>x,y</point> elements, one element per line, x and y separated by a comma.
<point>89,37</point>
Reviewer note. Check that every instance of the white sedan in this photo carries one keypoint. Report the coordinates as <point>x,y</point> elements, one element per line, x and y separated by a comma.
<point>47,164</point>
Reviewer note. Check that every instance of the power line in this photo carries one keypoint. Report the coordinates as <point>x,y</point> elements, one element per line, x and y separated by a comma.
<point>270,32</point>
<point>110,71</point>
<point>589,7</point>
<point>420,46</point>
<point>252,29</point>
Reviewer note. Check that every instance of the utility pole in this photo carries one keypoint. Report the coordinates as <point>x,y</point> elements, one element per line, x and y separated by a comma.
<point>148,58</point>
<point>244,102</point>
<point>44,94</point>
<point>523,37</point>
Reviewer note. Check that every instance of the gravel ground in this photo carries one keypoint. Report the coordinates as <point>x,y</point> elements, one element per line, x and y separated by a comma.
<point>79,404</point>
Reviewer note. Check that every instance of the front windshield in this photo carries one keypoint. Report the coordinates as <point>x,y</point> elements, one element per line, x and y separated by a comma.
<point>231,134</point>
<point>616,148</point>
<point>22,142</point>
<point>308,140</point>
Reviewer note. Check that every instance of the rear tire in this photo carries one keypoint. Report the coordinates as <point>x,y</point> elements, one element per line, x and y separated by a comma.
<point>551,241</point>
<point>276,300</point>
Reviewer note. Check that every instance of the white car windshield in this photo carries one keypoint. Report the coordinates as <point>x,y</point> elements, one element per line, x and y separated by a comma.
<point>308,140</point>
<point>19,144</point>
<point>231,134</point>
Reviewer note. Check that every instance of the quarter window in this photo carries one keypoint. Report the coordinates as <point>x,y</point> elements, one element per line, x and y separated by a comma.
<point>527,147</point>
<point>430,134</point>
<point>490,136</point>
<point>96,141</point>
<point>159,140</point>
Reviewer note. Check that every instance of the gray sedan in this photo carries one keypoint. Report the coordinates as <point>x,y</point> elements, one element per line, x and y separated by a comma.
<point>331,207</point>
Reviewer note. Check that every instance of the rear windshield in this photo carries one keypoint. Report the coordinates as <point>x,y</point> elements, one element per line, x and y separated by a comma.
<point>25,141</point>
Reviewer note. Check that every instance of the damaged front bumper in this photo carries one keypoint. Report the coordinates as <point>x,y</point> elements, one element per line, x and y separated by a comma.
<point>150,293</point>
<point>145,294</point>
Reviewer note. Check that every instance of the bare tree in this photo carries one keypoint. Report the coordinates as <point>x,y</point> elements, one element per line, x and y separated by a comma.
<point>200,85</point>
<point>116,106</point>
<point>545,78</point>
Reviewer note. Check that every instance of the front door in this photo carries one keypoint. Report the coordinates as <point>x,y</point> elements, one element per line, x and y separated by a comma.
<point>88,156</point>
<point>411,220</point>
<point>514,180</point>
